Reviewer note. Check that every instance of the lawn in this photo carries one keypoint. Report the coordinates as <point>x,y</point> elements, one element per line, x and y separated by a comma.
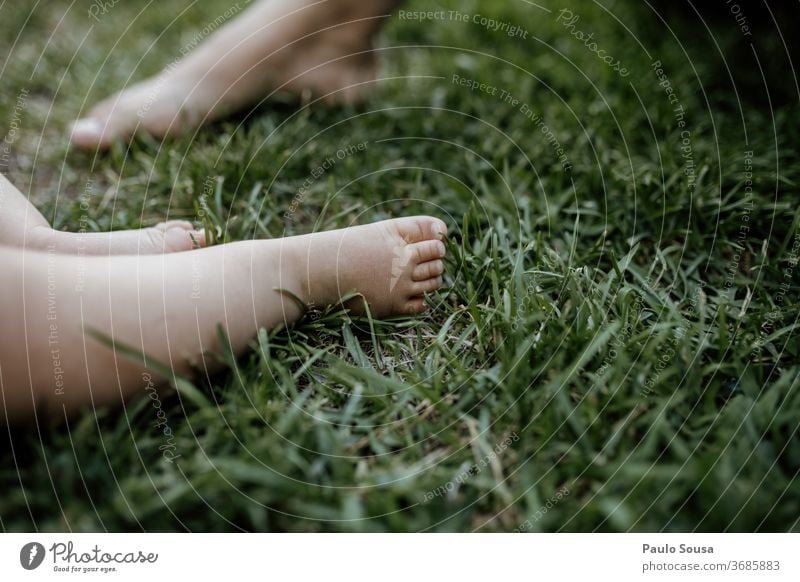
<point>616,348</point>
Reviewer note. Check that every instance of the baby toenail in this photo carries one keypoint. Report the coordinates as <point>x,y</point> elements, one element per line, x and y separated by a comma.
<point>87,128</point>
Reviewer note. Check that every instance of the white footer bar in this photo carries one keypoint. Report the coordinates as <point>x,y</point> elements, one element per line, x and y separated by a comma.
<point>401,557</point>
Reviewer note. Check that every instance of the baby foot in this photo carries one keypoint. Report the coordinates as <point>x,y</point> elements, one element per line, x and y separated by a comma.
<point>166,237</point>
<point>392,264</point>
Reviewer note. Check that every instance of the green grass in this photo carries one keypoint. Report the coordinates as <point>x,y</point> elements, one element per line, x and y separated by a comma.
<point>608,327</point>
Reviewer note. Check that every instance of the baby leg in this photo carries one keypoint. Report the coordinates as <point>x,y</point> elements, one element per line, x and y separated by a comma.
<point>168,307</point>
<point>23,226</point>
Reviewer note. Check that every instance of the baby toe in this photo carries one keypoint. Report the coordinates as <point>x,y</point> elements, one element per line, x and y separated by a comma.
<point>414,306</point>
<point>438,228</point>
<point>428,250</point>
<point>428,270</point>
<point>419,228</point>
<point>178,238</point>
<point>427,286</point>
<point>182,224</point>
<point>198,238</point>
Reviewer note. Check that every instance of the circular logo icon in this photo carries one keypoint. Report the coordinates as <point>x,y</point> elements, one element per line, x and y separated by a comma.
<point>31,555</point>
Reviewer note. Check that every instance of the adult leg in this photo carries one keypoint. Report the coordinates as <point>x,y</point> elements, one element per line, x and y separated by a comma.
<point>324,47</point>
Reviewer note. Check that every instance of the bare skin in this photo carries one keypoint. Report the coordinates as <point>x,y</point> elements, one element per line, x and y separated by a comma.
<point>320,47</point>
<point>21,225</point>
<point>168,306</point>
<point>59,290</point>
